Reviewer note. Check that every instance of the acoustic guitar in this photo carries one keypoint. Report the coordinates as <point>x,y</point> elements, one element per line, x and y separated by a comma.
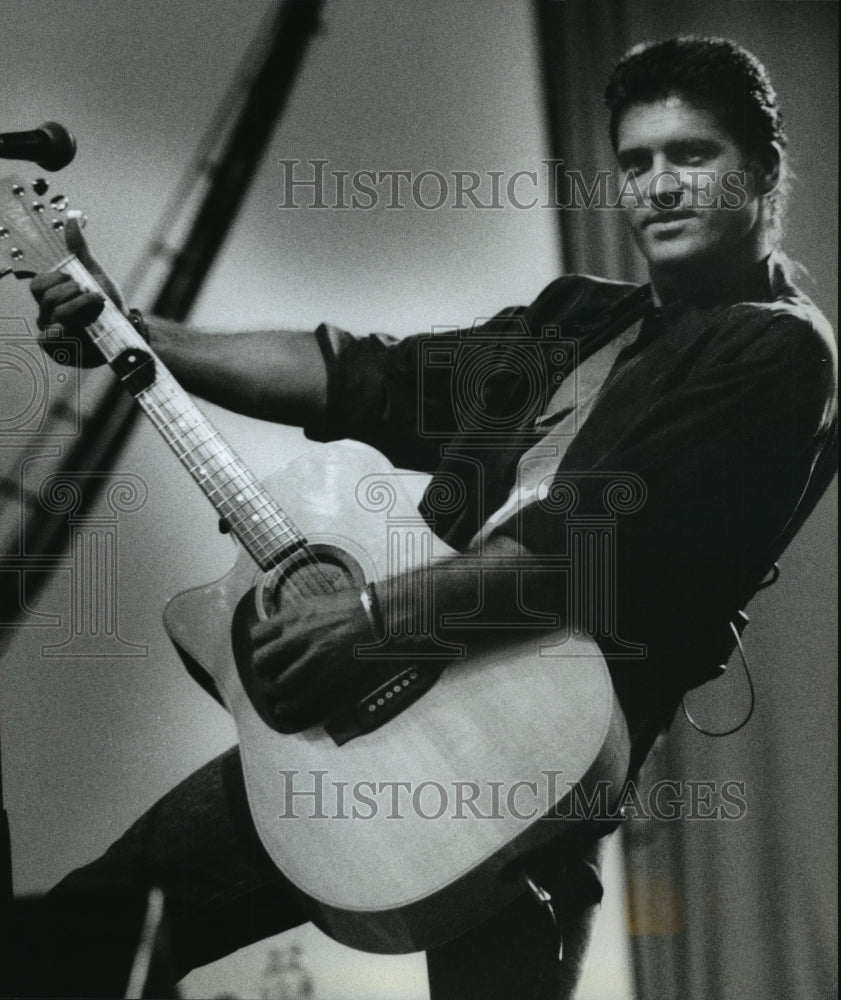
<point>402,822</point>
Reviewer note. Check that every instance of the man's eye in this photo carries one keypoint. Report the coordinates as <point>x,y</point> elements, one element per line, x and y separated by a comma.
<point>693,156</point>
<point>634,167</point>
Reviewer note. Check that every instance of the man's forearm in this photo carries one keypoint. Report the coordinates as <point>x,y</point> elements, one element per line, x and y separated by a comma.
<point>467,598</point>
<point>273,375</point>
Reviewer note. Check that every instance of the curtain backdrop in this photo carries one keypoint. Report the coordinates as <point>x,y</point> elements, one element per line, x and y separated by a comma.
<point>579,44</point>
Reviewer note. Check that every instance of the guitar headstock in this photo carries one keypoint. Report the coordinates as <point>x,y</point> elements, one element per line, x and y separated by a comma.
<point>31,228</point>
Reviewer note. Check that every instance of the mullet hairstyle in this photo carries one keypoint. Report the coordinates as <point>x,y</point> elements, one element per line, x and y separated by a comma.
<point>721,77</point>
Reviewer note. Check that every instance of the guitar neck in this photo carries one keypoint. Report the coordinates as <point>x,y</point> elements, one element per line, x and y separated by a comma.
<point>249,510</point>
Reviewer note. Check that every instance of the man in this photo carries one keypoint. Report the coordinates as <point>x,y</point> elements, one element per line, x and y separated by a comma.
<point>714,386</point>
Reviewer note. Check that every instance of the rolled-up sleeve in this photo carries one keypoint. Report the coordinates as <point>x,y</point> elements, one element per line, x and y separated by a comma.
<point>372,394</point>
<point>382,391</point>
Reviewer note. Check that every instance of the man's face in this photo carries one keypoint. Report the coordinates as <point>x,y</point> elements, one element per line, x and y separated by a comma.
<point>698,199</point>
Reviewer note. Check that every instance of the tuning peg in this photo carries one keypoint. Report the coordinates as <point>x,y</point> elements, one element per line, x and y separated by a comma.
<point>15,253</point>
<point>17,189</point>
<point>4,233</point>
<point>40,186</point>
<point>37,207</point>
<point>58,202</point>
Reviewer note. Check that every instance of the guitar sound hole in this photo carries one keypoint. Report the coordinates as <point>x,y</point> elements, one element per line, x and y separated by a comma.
<point>300,577</point>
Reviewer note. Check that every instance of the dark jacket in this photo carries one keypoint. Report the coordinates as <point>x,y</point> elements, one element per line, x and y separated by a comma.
<point>724,417</point>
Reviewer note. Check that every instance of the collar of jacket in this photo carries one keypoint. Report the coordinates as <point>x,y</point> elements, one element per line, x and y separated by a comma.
<point>594,311</point>
<point>767,280</point>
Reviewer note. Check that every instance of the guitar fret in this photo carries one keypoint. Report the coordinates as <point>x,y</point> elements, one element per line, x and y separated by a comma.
<point>199,444</point>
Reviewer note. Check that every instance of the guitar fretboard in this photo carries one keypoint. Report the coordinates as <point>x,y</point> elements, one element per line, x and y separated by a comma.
<point>249,510</point>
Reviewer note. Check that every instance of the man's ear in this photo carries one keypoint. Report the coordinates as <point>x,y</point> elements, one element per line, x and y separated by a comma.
<point>766,170</point>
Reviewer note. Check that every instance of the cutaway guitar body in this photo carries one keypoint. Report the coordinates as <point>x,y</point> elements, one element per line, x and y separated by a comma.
<point>356,827</point>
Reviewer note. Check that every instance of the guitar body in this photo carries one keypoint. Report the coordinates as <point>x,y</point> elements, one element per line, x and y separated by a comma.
<point>404,837</point>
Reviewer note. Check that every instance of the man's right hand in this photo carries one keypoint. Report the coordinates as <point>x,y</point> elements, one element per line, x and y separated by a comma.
<point>65,309</point>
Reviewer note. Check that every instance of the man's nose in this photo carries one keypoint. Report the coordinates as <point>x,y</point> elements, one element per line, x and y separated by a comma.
<point>665,190</point>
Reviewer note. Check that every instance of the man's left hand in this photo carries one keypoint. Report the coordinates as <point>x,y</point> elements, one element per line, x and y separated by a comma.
<point>304,658</point>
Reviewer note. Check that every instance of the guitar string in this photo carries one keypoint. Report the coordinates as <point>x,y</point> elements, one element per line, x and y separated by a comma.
<point>280,531</point>
<point>317,582</point>
<point>259,498</point>
<point>242,503</point>
<point>106,329</point>
<point>169,418</point>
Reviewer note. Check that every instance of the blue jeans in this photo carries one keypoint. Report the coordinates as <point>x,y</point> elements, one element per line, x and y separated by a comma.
<point>222,891</point>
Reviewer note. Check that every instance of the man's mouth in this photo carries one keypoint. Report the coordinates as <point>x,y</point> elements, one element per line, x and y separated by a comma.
<point>673,216</point>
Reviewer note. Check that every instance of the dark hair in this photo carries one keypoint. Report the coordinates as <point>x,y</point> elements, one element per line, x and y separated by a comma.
<point>712,73</point>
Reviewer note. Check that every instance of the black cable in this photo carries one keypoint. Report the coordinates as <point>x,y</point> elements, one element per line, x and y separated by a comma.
<point>769,582</point>
<point>744,722</point>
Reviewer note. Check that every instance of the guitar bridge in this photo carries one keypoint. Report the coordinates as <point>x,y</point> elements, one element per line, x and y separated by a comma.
<point>390,698</point>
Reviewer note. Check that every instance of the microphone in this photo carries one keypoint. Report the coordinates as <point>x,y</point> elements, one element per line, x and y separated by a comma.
<point>51,146</point>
